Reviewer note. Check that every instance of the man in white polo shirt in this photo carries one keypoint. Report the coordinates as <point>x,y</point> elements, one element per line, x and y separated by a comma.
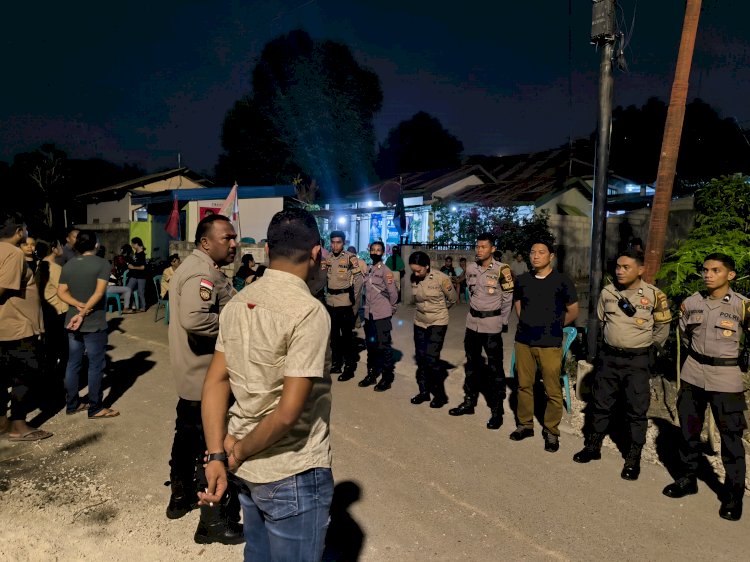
<point>273,354</point>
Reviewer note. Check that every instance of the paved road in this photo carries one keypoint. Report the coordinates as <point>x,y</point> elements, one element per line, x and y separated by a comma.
<point>431,487</point>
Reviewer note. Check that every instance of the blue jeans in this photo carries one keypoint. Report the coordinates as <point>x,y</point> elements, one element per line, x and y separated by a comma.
<point>140,286</point>
<point>94,343</point>
<point>287,520</point>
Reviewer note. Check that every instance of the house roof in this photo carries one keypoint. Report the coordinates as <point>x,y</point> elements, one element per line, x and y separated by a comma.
<point>524,179</point>
<point>209,193</point>
<point>117,191</point>
<point>425,183</point>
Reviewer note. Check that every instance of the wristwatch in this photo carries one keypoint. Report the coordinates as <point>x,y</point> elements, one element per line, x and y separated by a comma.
<point>217,457</point>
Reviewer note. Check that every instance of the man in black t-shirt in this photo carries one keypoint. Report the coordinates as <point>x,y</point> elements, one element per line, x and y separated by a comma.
<point>545,301</point>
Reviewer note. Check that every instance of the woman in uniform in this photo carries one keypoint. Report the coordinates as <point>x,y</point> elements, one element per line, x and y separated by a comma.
<point>434,294</point>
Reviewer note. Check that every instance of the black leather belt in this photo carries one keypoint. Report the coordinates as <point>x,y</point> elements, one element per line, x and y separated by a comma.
<point>625,352</point>
<point>713,361</point>
<point>484,313</point>
<point>338,291</point>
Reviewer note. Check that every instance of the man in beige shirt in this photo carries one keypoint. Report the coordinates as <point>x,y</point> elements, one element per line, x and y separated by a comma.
<point>277,438</point>
<point>174,263</point>
<point>20,330</point>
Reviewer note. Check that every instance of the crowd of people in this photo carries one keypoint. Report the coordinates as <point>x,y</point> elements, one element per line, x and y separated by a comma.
<point>251,424</point>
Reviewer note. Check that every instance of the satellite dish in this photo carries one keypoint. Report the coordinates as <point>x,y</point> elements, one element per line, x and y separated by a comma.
<point>389,193</point>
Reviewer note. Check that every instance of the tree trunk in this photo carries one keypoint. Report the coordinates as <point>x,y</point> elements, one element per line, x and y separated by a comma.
<point>670,147</point>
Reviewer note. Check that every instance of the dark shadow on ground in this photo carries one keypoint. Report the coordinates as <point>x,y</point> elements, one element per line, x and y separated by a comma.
<point>82,442</point>
<point>121,375</point>
<point>668,450</point>
<point>115,325</point>
<point>345,537</point>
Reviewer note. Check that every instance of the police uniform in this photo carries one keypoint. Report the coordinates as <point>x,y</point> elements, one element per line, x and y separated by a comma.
<point>490,302</point>
<point>381,297</point>
<point>343,289</point>
<point>433,295</point>
<point>624,363</point>
<point>711,376</point>
<point>198,292</point>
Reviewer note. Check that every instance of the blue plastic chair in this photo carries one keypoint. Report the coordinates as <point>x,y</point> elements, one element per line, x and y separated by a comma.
<point>115,296</point>
<point>570,334</point>
<point>160,301</point>
<point>136,298</point>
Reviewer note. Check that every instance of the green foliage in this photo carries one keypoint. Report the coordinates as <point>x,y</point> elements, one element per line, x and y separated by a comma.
<point>514,233</point>
<point>311,112</point>
<point>723,225</point>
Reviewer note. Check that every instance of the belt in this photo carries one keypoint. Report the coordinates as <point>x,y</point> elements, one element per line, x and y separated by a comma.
<point>338,291</point>
<point>625,352</point>
<point>484,313</point>
<point>713,361</point>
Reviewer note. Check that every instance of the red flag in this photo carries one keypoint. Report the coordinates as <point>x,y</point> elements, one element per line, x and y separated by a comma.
<point>173,224</point>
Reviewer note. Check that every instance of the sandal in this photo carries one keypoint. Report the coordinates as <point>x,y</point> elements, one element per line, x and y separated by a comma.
<point>33,435</point>
<point>105,413</point>
<point>80,408</point>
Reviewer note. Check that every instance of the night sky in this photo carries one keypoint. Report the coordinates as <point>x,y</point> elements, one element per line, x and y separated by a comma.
<point>145,81</point>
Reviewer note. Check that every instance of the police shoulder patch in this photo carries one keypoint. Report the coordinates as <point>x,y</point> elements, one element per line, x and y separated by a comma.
<point>206,289</point>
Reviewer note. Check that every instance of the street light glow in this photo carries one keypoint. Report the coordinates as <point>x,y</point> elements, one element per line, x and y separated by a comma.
<point>342,220</point>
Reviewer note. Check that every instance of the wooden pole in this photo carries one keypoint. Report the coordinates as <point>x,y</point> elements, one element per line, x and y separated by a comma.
<point>670,148</point>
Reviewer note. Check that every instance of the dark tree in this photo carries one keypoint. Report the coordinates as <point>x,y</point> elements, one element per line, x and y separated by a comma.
<point>311,112</point>
<point>710,146</point>
<point>417,145</point>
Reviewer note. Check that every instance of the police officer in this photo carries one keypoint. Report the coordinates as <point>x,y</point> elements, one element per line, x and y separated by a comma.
<point>197,293</point>
<point>635,316</point>
<point>711,323</point>
<point>490,285</point>
<point>381,297</point>
<point>433,294</point>
<point>343,290</point>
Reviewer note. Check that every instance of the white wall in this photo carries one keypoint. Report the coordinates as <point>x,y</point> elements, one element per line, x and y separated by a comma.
<point>107,211</point>
<point>255,215</point>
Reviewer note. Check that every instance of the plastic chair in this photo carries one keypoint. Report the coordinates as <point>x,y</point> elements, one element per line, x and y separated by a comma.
<point>569,336</point>
<point>160,301</point>
<point>136,298</point>
<point>115,296</point>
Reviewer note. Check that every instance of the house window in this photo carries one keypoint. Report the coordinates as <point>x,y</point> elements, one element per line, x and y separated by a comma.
<point>115,219</point>
<point>140,215</point>
<point>96,221</point>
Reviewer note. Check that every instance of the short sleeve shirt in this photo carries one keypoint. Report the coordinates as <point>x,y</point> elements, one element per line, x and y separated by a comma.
<point>272,329</point>
<point>543,306</point>
<point>81,275</point>
<point>20,305</point>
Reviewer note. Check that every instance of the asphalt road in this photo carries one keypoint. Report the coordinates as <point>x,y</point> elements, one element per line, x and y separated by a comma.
<point>422,485</point>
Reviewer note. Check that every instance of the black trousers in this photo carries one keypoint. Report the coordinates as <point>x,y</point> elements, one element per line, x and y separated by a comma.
<point>490,381</point>
<point>379,348</point>
<point>19,369</point>
<point>189,444</point>
<point>728,409</point>
<point>428,342</point>
<point>617,374</point>
<point>342,342</point>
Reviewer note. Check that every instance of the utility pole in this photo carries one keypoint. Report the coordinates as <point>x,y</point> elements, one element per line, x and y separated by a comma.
<point>603,36</point>
<point>670,144</point>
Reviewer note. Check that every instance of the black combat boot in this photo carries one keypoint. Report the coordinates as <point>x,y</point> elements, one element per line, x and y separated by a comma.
<point>731,504</point>
<point>496,420</point>
<point>385,382</point>
<point>423,395</point>
<point>216,526</point>
<point>370,379</point>
<point>464,408</point>
<point>592,449</point>
<point>632,468</point>
<point>682,487</point>
<point>182,501</point>
<point>336,367</point>
<point>348,374</point>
